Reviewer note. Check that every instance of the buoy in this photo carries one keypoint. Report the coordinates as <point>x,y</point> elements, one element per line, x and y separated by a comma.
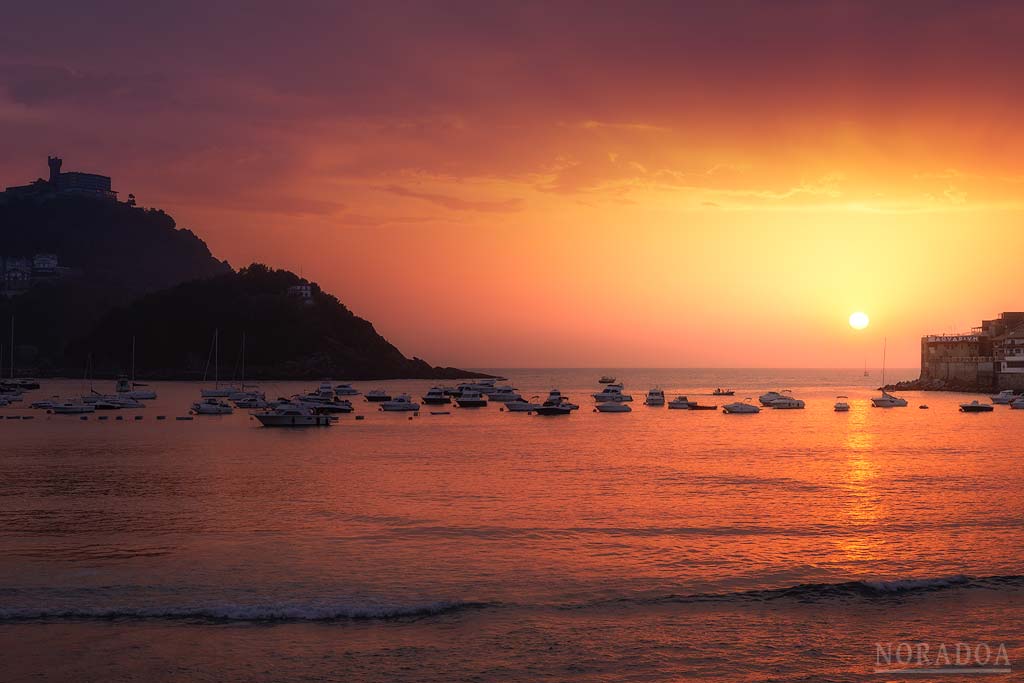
<point>410,417</point>
<point>360,417</point>
<point>161,417</point>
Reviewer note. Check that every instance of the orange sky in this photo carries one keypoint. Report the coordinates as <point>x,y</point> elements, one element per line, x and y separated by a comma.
<point>578,185</point>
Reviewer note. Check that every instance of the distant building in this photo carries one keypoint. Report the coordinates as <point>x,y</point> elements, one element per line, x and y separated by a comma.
<point>69,182</point>
<point>990,356</point>
<point>19,273</point>
<point>303,292</point>
<point>44,265</point>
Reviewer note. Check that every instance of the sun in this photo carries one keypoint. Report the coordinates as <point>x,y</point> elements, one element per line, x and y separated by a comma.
<point>859,320</point>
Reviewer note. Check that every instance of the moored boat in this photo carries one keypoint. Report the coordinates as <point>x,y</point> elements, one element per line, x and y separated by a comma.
<point>740,407</point>
<point>976,407</point>
<point>470,398</point>
<point>292,416</point>
<point>612,393</point>
<point>401,403</point>
<point>841,406</point>
<point>723,392</point>
<point>211,406</point>
<point>655,397</point>
<point>436,396</point>
<point>1005,397</point>
<point>681,403</point>
<point>377,396</point>
<point>613,407</point>
<point>346,390</point>
<point>887,400</point>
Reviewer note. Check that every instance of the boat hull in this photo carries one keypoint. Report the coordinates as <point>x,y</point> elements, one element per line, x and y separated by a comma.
<point>471,403</point>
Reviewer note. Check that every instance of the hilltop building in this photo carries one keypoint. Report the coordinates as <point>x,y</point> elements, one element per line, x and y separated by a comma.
<point>19,273</point>
<point>65,183</point>
<point>990,356</point>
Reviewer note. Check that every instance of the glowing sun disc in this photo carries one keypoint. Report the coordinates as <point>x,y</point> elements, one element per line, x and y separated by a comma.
<point>859,320</point>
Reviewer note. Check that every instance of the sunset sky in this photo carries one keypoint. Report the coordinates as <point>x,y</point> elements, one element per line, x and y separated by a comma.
<point>564,183</point>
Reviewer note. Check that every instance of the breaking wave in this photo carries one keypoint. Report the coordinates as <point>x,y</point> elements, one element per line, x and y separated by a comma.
<point>285,612</point>
<point>897,589</point>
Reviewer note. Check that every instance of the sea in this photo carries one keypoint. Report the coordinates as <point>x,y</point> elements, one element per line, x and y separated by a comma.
<point>485,545</point>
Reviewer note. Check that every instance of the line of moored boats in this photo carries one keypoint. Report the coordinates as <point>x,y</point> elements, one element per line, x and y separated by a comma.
<point>321,406</point>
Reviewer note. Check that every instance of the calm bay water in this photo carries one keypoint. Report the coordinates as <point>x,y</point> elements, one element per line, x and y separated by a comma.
<point>485,545</point>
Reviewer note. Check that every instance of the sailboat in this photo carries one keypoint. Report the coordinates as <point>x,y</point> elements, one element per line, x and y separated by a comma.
<point>217,391</point>
<point>127,386</point>
<point>866,373</point>
<point>887,400</point>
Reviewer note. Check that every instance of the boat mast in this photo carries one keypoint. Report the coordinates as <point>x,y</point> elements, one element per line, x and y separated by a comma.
<point>243,361</point>
<point>216,358</point>
<point>133,361</point>
<point>12,346</point>
<point>885,345</point>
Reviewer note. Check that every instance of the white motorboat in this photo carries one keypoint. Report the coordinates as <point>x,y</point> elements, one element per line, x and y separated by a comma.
<point>1005,397</point>
<point>787,403</point>
<point>72,408</point>
<point>522,405</point>
<point>292,416</point>
<point>613,393</point>
<point>976,407</point>
<point>377,396</point>
<point>841,406</point>
<point>680,403</point>
<point>436,396</point>
<point>887,400</point>
<point>556,406</point>
<point>11,396</point>
<point>335,405</point>
<point>323,395</point>
<point>471,399</point>
<point>211,406</point>
<point>251,402</point>
<point>613,407</point>
<point>767,398</point>
<point>503,394</point>
<point>346,390</point>
<point>402,403</point>
<point>740,408</point>
<point>655,397</point>
<point>1018,404</point>
<point>555,396</point>
<point>112,401</point>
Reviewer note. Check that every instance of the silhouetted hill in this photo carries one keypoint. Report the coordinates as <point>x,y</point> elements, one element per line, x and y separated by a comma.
<point>285,337</point>
<point>109,254</point>
<point>127,271</point>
